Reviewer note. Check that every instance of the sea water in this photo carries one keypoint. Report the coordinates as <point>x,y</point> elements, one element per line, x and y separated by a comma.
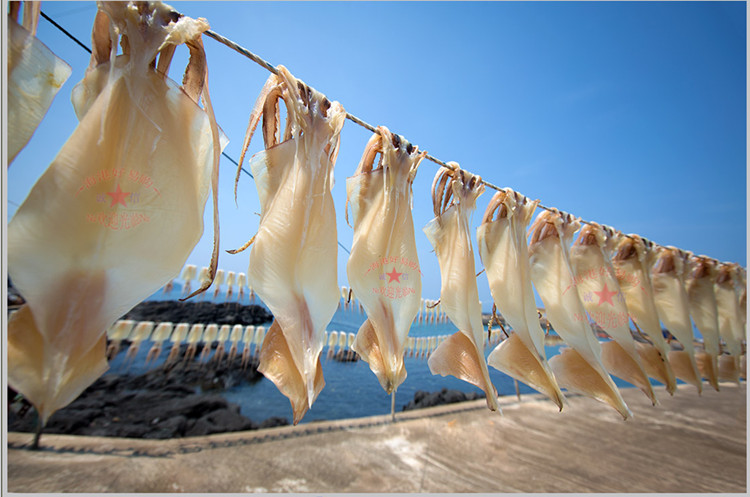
<point>351,389</point>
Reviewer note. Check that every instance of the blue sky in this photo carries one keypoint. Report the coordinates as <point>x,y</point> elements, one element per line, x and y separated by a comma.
<point>631,114</point>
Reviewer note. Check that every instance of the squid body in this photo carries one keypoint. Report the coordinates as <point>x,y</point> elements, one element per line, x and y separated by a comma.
<point>501,239</point>
<point>293,257</point>
<point>383,267</point>
<point>454,195</point>
<point>602,298</point>
<point>671,299</point>
<point>580,367</point>
<point>120,208</point>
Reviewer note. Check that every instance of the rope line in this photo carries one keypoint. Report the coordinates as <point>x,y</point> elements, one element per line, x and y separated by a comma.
<point>65,31</point>
<point>356,120</point>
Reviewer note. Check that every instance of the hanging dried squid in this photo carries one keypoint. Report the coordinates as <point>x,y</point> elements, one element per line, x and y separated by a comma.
<point>454,196</point>
<point>699,284</point>
<point>35,75</point>
<point>631,259</point>
<point>293,257</point>
<point>600,293</point>
<point>501,239</point>
<point>84,247</point>
<point>731,327</point>
<point>383,267</point>
<point>580,367</point>
<point>671,300</point>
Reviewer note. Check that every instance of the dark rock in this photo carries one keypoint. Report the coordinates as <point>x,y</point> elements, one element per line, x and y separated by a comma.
<point>274,421</point>
<point>230,313</point>
<point>220,421</point>
<point>424,399</point>
<point>165,402</point>
<point>169,428</point>
<point>346,356</point>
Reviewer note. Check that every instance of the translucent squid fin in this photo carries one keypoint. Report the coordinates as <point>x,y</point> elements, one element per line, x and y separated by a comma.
<point>31,374</point>
<point>685,369</point>
<point>708,365</point>
<point>367,346</point>
<point>277,364</point>
<point>576,374</point>
<point>656,366</point>
<point>513,358</point>
<point>621,364</point>
<point>729,368</point>
<point>457,356</point>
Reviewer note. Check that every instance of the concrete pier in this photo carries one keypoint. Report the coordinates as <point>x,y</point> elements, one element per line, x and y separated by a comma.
<point>689,443</point>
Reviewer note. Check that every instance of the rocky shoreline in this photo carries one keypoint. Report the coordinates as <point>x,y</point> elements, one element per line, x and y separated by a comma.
<point>177,399</point>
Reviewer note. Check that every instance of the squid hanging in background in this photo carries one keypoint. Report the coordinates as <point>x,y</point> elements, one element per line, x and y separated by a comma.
<point>699,284</point>
<point>671,300</point>
<point>731,327</point>
<point>293,259</point>
<point>454,196</point>
<point>505,256</point>
<point>602,298</point>
<point>580,367</point>
<point>35,75</point>
<point>631,259</point>
<point>383,267</point>
<point>120,208</point>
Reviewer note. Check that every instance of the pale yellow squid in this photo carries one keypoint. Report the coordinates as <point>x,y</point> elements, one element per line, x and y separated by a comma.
<point>671,300</point>
<point>120,208</point>
<point>579,368</point>
<point>35,75</point>
<point>699,284</point>
<point>631,258</point>
<point>603,299</point>
<point>383,267</point>
<point>731,326</point>
<point>501,239</point>
<point>454,196</point>
<point>293,257</point>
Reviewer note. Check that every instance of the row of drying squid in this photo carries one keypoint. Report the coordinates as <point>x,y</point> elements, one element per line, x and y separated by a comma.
<point>116,214</point>
<point>243,341</point>
<point>430,311</point>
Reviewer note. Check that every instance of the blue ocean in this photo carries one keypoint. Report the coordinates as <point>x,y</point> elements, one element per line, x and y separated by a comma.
<point>351,389</point>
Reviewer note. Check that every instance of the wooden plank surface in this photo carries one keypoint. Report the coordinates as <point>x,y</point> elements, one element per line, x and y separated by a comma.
<point>687,444</point>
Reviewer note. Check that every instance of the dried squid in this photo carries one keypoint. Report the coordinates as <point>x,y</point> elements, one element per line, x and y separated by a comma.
<point>580,367</point>
<point>35,75</point>
<point>90,240</point>
<point>501,239</point>
<point>699,284</point>
<point>383,267</point>
<point>600,294</point>
<point>631,259</point>
<point>454,196</point>
<point>731,327</point>
<point>293,256</point>
<point>671,300</point>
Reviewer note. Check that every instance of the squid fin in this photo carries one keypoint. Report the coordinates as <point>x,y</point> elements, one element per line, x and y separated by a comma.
<point>743,367</point>
<point>685,369</point>
<point>513,358</point>
<point>729,368</point>
<point>457,356</point>
<point>576,374</point>
<point>621,364</point>
<point>277,364</point>
<point>708,365</point>
<point>31,374</point>
<point>657,366</point>
<point>367,346</point>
